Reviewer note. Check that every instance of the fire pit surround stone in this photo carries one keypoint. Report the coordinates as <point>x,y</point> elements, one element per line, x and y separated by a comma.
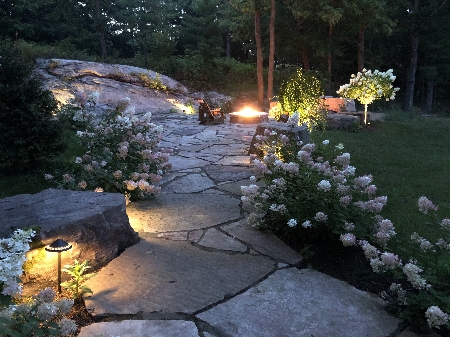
<point>248,116</point>
<point>300,133</point>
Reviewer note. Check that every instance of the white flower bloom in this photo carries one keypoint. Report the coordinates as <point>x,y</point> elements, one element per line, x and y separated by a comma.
<point>435,317</point>
<point>348,239</point>
<point>326,142</point>
<point>306,224</point>
<point>321,217</point>
<point>412,274</point>
<point>324,185</point>
<point>292,223</point>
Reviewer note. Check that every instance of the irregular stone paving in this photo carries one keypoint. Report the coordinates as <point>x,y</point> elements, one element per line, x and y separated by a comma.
<point>200,270</point>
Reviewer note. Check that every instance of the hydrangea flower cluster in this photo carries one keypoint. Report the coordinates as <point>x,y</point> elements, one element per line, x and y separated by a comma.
<point>122,153</point>
<point>41,311</point>
<point>425,205</point>
<point>436,317</point>
<point>12,255</point>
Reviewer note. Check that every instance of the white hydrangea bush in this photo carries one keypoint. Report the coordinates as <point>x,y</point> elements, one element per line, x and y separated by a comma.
<point>299,190</point>
<point>122,153</point>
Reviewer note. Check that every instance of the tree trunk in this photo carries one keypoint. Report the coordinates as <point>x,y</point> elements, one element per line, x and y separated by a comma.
<point>100,31</point>
<point>271,53</point>
<point>411,72</point>
<point>305,59</point>
<point>228,44</point>
<point>329,58</point>
<point>365,114</point>
<point>361,36</point>
<point>412,66</point>
<point>430,89</point>
<point>259,59</point>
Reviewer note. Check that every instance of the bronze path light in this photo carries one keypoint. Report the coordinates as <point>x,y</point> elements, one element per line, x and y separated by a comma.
<point>58,246</point>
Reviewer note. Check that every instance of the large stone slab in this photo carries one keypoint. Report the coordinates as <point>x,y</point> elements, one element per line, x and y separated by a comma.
<point>182,163</point>
<point>187,131</point>
<point>340,121</point>
<point>228,173</point>
<point>218,240</point>
<point>234,161</point>
<point>175,212</point>
<point>140,328</point>
<point>225,150</point>
<point>302,303</point>
<point>96,225</point>
<point>264,242</point>
<point>235,186</point>
<point>171,277</point>
<point>190,183</point>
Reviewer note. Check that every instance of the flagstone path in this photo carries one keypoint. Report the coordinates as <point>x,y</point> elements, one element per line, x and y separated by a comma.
<point>200,270</point>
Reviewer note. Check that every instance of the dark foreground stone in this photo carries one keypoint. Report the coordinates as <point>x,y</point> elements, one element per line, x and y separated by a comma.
<point>96,225</point>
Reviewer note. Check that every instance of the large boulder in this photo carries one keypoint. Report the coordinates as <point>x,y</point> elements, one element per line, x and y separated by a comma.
<point>341,121</point>
<point>95,224</point>
<point>147,90</point>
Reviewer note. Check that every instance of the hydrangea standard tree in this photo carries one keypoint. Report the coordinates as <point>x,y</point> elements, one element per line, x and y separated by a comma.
<point>368,86</point>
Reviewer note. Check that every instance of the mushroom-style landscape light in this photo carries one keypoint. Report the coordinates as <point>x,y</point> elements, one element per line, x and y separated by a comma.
<point>58,246</point>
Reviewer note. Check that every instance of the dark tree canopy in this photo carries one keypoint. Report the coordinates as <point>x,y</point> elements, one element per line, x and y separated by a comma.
<point>337,37</point>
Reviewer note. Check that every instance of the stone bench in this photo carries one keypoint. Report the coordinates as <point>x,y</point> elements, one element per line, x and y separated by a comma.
<point>96,224</point>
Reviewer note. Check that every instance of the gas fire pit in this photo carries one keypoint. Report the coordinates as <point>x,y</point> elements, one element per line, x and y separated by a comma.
<point>248,116</point>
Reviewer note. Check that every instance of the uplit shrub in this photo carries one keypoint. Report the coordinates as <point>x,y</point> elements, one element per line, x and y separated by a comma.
<point>302,93</point>
<point>28,134</point>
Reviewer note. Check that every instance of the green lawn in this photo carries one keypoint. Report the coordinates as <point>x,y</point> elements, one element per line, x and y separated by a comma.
<point>409,157</point>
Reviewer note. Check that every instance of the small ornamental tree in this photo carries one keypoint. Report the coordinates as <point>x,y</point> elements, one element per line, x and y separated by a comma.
<point>368,86</point>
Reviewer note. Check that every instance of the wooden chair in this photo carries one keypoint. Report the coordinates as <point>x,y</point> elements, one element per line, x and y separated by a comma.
<point>208,116</point>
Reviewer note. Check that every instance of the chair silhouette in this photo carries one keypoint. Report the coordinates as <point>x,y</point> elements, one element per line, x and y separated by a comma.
<point>208,116</point>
